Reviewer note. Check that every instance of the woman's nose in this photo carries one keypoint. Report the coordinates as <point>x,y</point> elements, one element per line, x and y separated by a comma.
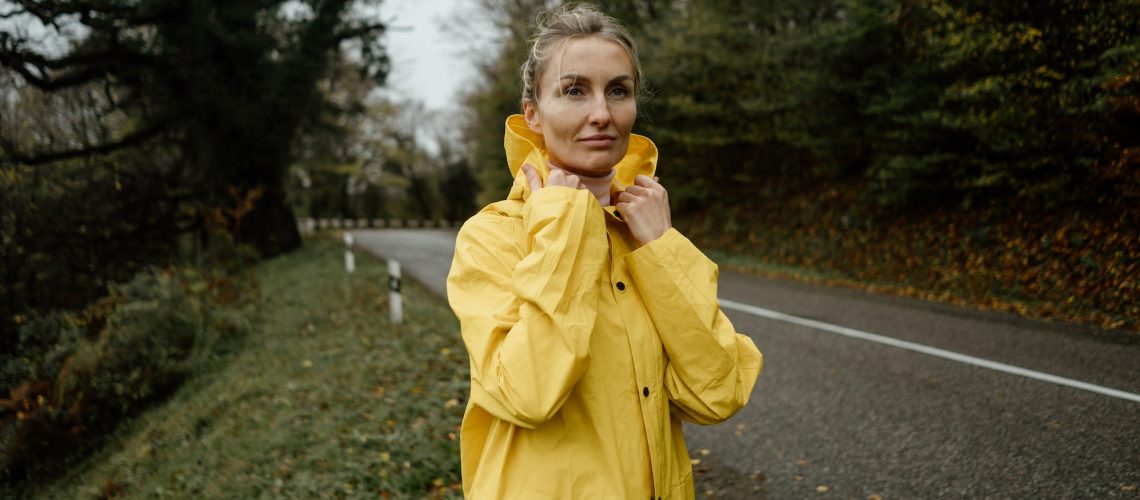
<point>600,113</point>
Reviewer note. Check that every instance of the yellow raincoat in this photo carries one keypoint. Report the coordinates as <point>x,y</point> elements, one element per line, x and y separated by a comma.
<point>586,351</point>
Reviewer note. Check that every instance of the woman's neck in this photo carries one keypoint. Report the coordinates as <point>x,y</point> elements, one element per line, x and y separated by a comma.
<point>598,186</point>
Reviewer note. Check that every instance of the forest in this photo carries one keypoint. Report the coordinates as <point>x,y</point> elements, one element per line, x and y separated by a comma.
<point>984,153</point>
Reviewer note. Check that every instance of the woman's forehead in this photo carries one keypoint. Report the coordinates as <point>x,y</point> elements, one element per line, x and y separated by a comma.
<point>592,57</point>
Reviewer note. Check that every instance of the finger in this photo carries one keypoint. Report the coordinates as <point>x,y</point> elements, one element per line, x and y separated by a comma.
<point>532,177</point>
<point>559,178</point>
<point>625,197</point>
<point>637,191</point>
<point>644,181</point>
<point>574,182</point>
<point>556,178</point>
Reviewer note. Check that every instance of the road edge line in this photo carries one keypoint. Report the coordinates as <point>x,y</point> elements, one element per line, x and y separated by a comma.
<point>924,349</point>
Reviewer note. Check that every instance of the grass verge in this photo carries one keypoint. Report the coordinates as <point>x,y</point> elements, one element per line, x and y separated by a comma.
<point>326,399</point>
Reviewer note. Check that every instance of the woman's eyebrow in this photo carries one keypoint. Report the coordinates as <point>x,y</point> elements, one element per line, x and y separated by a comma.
<point>581,78</point>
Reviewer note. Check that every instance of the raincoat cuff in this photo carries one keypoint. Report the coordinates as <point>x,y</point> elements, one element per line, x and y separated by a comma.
<point>669,246</point>
<point>675,259</point>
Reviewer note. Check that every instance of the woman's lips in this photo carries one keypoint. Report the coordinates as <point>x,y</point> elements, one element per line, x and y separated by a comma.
<point>599,140</point>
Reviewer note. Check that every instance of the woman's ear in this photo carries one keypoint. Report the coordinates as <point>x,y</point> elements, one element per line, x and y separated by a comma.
<point>530,112</point>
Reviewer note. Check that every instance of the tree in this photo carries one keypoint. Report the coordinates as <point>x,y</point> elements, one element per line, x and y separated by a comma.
<point>1040,96</point>
<point>459,189</point>
<point>230,83</point>
<point>71,227</point>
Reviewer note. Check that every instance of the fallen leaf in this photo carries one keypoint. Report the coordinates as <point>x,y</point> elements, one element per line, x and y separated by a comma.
<point>798,477</point>
<point>307,363</point>
<point>875,497</point>
<point>822,488</point>
<point>695,461</point>
<point>1128,487</point>
<point>704,452</point>
<point>451,403</point>
<point>801,462</point>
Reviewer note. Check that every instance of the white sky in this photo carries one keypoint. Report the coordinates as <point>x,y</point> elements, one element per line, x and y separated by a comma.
<point>429,63</point>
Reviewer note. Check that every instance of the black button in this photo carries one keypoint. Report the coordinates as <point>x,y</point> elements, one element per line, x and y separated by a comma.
<point>617,214</point>
<point>645,391</point>
<point>620,286</point>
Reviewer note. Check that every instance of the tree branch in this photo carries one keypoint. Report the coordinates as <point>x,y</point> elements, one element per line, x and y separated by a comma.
<point>13,13</point>
<point>360,31</point>
<point>49,11</point>
<point>128,140</point>
<point>84,67</point>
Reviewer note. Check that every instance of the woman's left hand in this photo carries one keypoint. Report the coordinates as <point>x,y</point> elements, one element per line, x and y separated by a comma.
<point>645,208</point>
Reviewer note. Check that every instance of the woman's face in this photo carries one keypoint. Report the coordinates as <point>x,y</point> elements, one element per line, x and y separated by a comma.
<point>586,106</point>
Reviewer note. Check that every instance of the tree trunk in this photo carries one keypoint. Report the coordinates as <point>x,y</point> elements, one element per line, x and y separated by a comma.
<point>271,226</point>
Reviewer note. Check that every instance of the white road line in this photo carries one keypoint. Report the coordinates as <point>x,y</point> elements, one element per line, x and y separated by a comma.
<point>933,351</point>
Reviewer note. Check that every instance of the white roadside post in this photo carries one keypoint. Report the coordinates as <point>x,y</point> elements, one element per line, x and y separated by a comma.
<point>349,258</point>
<point>395,300</point>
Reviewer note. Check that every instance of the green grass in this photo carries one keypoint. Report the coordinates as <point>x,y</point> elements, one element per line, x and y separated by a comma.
<point>324,399</point>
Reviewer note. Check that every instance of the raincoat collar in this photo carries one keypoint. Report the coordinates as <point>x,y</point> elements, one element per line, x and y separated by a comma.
<point>523,145</point>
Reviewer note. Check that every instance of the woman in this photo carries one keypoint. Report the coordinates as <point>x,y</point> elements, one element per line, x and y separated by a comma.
<point>592,326</point>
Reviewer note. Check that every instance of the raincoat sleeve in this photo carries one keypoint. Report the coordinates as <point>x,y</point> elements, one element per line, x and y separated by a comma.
<point>527,314</point>
<point>711,369</point>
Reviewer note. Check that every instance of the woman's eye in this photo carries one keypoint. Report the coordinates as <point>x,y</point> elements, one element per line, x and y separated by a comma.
<point>620,91</point>
<point>572,91</point>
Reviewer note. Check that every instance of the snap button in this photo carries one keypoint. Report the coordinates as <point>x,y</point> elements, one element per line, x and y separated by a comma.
<point>645,391</point>
<point>617,214</point>
<point>620,286</point>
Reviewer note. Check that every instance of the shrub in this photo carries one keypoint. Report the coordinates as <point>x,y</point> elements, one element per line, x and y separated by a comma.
<point>75,375</point>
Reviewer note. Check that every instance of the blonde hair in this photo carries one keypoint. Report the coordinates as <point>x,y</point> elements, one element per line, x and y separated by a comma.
<point>567,23</point>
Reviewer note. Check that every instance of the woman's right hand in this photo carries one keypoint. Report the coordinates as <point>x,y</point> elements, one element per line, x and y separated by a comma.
<point>556,178</point>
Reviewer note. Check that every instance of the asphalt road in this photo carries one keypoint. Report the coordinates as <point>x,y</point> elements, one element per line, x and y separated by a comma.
<point>424,254</point>
<point>839,417</point>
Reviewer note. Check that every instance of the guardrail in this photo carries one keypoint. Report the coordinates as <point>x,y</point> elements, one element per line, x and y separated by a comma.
<point>309,225</point>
